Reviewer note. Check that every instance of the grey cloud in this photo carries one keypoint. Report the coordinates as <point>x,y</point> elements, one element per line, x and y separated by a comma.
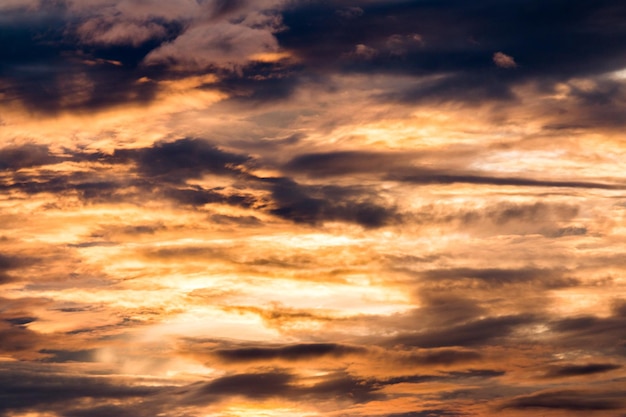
<point>459,40</point>
<point>592,332</point>
<point>304,351</point>
<point>445,356</point>
<point>162,171</point>
<point>401,168</point>
<point>563,371</point>
<point>473,333</point>
<point>347,162</point>
<point>221,45</point>
<point>572,400</point>
<point>263,385</point>
<point>281,384</point>
<point>240,221</point>
<point>20,321</point>
<point>10,263</point>
<point>19,340</point>
<point>26,156</point>
<point>42,391</point>
<point>424,177</point>
<point>317,204</point>
<point>63,356</point>
<point>183,159</point>
<point>547,278</point>
<point>428,413</point>
<point>111,410</point>
<point>341,386</point>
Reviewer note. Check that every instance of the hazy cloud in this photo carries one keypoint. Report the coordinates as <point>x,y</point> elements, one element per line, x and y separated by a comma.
<point>503,60</point>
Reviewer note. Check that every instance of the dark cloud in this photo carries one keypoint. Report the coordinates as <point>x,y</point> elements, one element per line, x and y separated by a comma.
<point>440,309</point>
<point>50,68</point>
<point>342,386</point>
<point>477,373</point>
<point>580,370</point>
<point>304,351</point>
<point>593,332</point>
<point>197,196</point>
<point>571,400</point>
<point>223,7</point>
<point>428,413</point>
<point>347,162</point>
<point>401,167</point>
<point>18,340</point>
<point>20,321</point>
<point>261,82</point>
<point>423,177</point>
<point>26,156</point>
<point>31,390</point>
<point>473,333</point>
<point>548,40</point>
<point>317,204</point>
<point>570,231</point>
<point>241,221</point>
<point>453,377</point>
<point>182,159</point>
<point>110,410</point>
<point>58,58</point>
<point>162,171</point>
<point>264,385</point>
<point>10,263</point>
<point>281,384</point>
<point>62,356</point>
<point>548,278</point>
<point>445,356</point>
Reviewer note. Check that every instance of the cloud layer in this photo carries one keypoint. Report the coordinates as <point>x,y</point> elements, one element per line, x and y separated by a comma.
<point>306,208</point>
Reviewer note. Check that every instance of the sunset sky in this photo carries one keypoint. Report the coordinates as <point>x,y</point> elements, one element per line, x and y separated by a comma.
<point>312,208</point>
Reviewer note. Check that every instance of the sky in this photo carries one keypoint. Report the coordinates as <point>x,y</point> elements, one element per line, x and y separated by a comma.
<point>312,208</point>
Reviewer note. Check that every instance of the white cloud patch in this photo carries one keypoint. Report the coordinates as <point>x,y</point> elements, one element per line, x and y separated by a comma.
<point>503,60</point>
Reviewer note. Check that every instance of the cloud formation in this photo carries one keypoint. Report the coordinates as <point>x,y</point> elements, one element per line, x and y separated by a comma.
<point>312,208</point>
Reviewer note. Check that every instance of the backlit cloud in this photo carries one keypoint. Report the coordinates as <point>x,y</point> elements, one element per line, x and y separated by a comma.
<point>503,60</point>
<point>306,208</point>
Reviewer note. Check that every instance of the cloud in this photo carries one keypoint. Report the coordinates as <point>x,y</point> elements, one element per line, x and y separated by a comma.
<point>564,371</point>
<point>503,60</point>
<point>220,45</point>
<point>319,204</point>
<point>592,332</point>
<point>472,333</point>
<point>263,385</point>
<point>403,167</point>
<point>440,356</point>
<point>554,278</point>
<point>572,400</point>
<point>329,164</point>
<point>224,207</point>
<point>182,159</point>
<point>298,352</point>
<point>425,177</point>
<point>427,413</point>
<point>280,384</point>
<point>109,31</point>
<point>26,156</point>
<point>10,263</point>
<point>45,391</point>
